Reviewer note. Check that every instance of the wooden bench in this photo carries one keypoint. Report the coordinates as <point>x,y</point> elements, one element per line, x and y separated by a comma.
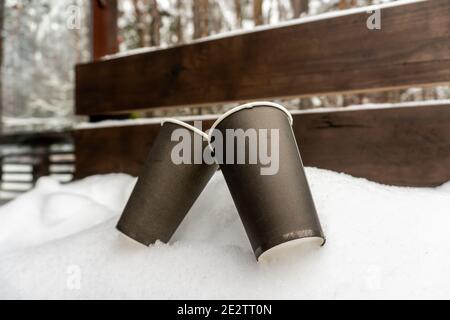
<point>408,146</point>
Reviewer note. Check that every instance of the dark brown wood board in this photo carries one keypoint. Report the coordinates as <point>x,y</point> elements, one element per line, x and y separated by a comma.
<point>324,56</point>
<point>405,146</point>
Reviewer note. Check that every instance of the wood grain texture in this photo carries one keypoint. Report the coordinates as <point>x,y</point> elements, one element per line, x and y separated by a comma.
<point>401,146</point>
<point>408,146</point>
<point>320,57</point>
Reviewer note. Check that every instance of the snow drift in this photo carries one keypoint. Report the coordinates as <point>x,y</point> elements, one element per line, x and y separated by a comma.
<point>383,242</point>
<point>52,210</point>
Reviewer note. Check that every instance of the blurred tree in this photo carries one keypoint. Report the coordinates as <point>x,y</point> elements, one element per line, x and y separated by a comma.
<point>155,25</point>
<point>200,9</point>
<point>178,22</point>
<point>238,12</point>
<point>38,62</point>
<point>345,4</point>
<point>258,12</point>
<point>299,7</point>
<point>140,23</point>
<point>2,12</point>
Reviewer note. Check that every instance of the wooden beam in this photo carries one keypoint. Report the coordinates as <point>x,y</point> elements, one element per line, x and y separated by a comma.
<point>405,146</point>
<point>320,57</point>
<point>104,28</point>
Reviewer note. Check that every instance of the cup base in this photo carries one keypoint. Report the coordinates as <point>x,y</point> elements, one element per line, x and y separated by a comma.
<point>286,249</point>
<point>133,235</point>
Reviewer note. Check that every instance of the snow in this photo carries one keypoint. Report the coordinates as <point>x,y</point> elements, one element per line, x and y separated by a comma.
<point>53,210</point>
<point>383,242</point>
<point>18,124</point>
<point>445,187</point>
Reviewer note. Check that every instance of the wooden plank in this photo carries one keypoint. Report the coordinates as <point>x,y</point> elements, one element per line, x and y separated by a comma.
<point>405,146</point>
<point>401,146</point>
<point>104,28</point>
<point>116,149</point>
<point>320,57</point>
<point>36,138</point>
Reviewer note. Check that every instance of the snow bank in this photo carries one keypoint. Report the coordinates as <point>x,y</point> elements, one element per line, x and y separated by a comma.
<point>383,242</point>
<point>52,210</point>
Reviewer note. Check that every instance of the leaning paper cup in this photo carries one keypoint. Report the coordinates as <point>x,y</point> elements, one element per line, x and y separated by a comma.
<point>168,185</point>
<point>266,178</point>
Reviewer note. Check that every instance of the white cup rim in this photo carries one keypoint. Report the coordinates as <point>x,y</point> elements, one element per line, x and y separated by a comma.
<point>185,125</point>
<point>249,106</point>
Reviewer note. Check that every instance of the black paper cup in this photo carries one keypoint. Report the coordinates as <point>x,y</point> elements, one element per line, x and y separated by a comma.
<point>277,208</point>
<point>165,190</point>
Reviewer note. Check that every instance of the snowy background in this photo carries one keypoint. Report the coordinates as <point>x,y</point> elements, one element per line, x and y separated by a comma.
<point>40,51</point>
<point>59,241</point>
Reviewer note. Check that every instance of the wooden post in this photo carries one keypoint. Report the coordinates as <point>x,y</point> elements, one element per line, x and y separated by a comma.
<point>104,28</point>
<point>104,36</point>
